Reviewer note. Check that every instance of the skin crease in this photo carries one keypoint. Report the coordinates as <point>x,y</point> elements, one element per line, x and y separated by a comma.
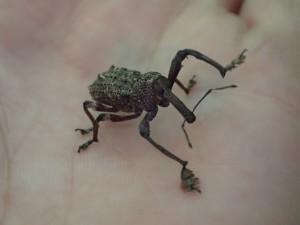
<point>245,140</point>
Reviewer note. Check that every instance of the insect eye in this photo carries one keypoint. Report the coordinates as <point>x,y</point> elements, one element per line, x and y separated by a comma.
<point>160,91</point>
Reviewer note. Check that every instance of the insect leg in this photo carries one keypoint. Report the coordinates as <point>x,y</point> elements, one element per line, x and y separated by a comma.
<point>111,117</point>
<point>103,117</point>
<point>118,118</point>
<point>191,84</point>
<point>188,180</point>
<point>204,96</point>
<point>96,107</point>
<point>145,133</point>
<point>182,54</point>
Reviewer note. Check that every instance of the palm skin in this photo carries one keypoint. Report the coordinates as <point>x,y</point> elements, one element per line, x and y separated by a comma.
<point>245,140</point>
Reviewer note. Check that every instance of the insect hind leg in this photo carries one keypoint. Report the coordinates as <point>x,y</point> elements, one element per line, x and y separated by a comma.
<point>95,107</point>
<point>101,117</point>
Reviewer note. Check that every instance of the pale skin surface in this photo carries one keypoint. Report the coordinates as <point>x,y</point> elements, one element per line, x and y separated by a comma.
<point>246,140</point>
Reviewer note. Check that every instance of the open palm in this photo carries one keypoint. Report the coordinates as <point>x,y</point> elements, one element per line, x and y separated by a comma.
<point>245,140</point>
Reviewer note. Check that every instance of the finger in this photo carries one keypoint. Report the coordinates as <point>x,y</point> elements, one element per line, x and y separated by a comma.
<point>272,13</point>
<point>233,6</point>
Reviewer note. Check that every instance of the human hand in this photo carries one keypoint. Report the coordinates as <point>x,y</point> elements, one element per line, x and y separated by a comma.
<point>245,140</point>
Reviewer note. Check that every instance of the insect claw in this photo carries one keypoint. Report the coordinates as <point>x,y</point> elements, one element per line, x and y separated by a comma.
<point>84,131</point>
<point>84,146</point>
<point>188,180</point>
<point>81,147</point>
<point>198,190</point>
<point>239,60</point>
<point>192,82</point>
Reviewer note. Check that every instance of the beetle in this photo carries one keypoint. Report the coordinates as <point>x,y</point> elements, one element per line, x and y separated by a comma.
<point>129,91</point>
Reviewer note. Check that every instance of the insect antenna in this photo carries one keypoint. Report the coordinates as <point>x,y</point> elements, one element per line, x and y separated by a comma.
<point>207,93</point>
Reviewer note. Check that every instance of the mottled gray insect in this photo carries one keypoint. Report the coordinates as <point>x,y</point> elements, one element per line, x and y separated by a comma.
<point>129,91</point>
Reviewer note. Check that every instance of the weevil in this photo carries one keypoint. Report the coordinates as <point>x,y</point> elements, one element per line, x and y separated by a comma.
<point>129,91</point>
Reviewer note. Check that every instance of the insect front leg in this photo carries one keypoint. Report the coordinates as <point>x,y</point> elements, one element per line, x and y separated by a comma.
<point>189,181</point>
<point>145,133</point>
<point>182,54</point>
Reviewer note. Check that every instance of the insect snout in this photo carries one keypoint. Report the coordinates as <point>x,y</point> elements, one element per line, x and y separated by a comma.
<point>190,118</point>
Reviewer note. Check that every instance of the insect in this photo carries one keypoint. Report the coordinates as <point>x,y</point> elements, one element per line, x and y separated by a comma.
<point>129,91</point>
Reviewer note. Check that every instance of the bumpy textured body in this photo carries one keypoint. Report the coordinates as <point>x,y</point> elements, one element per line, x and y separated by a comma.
<point>126,90</point>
